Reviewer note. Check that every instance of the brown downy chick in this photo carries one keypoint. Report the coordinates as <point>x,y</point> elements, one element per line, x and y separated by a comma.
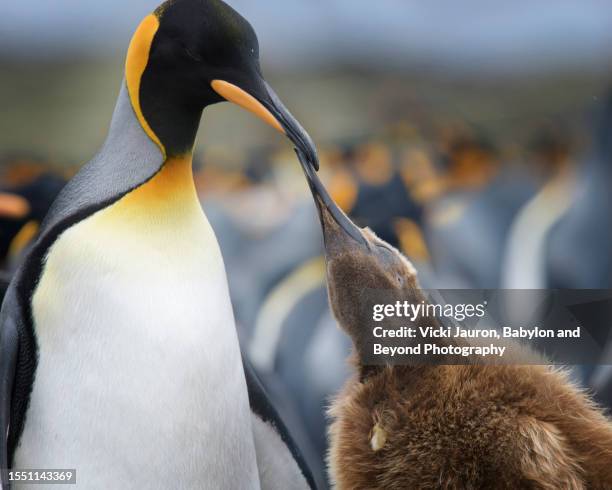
<point>447,426</point>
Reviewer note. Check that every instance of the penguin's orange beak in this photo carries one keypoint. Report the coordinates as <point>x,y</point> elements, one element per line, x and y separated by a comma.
<point>265,104</point>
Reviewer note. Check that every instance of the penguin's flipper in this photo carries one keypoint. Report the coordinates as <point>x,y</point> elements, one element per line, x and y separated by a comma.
<point>9,347</point>
<point>280,462</point>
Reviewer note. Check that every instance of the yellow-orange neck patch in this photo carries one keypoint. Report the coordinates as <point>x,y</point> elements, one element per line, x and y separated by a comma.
<point>13,206</point>
<point>23,238</point>
<point>135,65</point>
<point>374,165</point>
<point>165,201</point>
<point>344,190</point>
<point>411,239</point>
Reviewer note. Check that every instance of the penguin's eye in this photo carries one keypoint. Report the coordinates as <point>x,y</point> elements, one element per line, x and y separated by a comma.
<point>191,54</point>
<point>400,279</point>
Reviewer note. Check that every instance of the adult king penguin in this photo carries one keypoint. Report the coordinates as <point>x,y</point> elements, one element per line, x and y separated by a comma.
<point>118,350</point>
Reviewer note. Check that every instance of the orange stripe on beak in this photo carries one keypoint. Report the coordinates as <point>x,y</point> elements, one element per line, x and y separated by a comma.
<point>235,94</point>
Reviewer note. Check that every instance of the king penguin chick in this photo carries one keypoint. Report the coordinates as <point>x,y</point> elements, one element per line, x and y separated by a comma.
<point>446,426</point>
<point>118,350</point>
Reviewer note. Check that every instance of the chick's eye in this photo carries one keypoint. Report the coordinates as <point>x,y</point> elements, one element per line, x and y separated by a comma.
<point>400,279</point>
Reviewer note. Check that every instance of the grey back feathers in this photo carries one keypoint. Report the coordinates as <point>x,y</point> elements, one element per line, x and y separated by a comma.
<point>127,159</point>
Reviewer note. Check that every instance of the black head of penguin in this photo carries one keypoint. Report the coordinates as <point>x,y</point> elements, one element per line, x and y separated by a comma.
<point>190,54</point>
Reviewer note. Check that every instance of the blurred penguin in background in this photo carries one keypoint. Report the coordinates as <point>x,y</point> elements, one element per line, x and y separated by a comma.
<point>467,227</point>
<point>579,243</point>
<point>22,209</point>
<point>26,195</point>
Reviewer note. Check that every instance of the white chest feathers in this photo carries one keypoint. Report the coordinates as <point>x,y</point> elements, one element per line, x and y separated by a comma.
<point>139,382</point>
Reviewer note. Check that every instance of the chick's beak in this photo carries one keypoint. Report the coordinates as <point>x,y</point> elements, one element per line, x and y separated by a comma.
<point>265,104</point>
<point>336,225</point>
